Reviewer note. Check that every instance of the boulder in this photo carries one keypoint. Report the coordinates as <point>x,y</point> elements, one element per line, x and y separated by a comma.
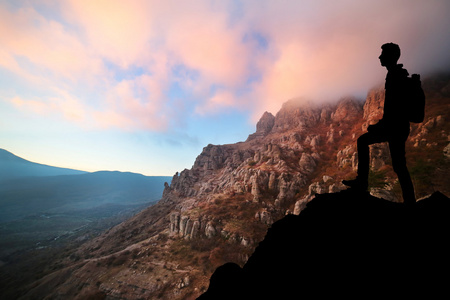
<point>272,181</point>
<point>210,231</point>
<point>307,163</point>
<point>447,151</point>
<point>195,229</point>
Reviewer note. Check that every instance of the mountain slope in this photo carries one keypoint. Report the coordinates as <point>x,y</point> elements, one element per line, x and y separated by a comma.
<point>43,206</point>
<point>12,166</point>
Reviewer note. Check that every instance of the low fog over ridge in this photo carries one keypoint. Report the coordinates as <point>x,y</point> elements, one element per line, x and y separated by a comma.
<point>335,53</point>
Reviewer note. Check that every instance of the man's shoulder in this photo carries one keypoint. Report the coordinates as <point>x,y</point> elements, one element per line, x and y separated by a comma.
<point>397,76</point>
<point>400,72</point>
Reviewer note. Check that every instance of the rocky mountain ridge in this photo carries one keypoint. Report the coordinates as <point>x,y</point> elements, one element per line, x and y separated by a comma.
<point>220,209</point>
<point>270,168</point>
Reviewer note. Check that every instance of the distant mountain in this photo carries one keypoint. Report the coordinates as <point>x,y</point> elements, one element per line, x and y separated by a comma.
<point>12,166</point>
<point>22,197</point>
<point>42,205</point>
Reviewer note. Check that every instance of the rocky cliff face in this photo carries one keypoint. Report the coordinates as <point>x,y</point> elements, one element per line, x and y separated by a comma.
<point>220,209</point>
<point>272,169</point>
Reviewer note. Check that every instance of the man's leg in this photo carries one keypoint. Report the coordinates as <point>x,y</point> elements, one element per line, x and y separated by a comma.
<point>363,143</point>
<point>397,148</point>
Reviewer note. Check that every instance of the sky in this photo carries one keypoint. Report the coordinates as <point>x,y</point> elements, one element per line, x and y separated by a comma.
<point>143,86</point>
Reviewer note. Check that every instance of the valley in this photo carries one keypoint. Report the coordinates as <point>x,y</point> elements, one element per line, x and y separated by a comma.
<point>46,211</point>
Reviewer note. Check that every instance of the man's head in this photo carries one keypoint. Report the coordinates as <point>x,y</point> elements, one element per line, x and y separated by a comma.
<point>390,53</point>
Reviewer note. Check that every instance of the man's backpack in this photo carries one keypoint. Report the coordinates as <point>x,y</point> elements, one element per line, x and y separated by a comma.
<point>416,99</point>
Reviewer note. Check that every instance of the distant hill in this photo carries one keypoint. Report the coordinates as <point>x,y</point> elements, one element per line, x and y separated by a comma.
<point>21,197</point>
<point>40,204</point>
<point>12,166</point>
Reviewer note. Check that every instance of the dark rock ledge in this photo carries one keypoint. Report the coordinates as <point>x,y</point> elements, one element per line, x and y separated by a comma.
<point>347,244</point>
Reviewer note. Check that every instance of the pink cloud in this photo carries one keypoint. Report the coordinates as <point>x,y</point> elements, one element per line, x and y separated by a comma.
<point>132,34</point>
<point>65,104</point>
<point>132,104</point>
<point>33,105</point>
<point>45,44</point>
<point>205,42</point>
<point>221,100</point>
<point>118,31</point>
<point>83,60</point>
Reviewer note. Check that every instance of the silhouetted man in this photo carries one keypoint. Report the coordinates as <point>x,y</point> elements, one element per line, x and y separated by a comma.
<point>392,128</point>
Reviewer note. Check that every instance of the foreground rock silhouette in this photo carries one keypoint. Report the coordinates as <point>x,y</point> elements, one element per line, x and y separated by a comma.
<point>347,244</point>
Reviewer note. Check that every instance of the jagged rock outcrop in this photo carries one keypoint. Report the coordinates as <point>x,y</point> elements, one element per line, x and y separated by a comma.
<point>212,158</point>
<point>447,151</point>
<point>348,157</point>
<point>379,155</point>
<point>273,181</point>
<point>255,188</point>
<point>264,126</point>
<point>373,107</point>
<point>307,163</point>
<point>183,182</point>
<point>187,227</point>
<point>300,205</point>
<point>264,217</point>
<point>348,109</point>
<point>298,114</point>
<point>210,230</point>
<point>183,282</point>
